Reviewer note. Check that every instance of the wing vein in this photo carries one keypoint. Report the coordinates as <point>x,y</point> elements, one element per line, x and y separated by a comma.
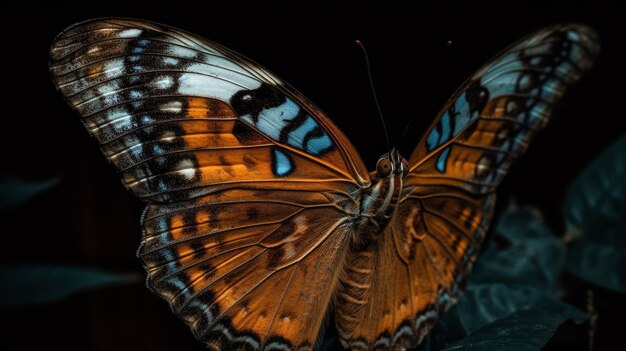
<point>280,302</point>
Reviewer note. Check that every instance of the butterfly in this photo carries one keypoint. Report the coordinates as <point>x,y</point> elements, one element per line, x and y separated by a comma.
<point>261,214</point>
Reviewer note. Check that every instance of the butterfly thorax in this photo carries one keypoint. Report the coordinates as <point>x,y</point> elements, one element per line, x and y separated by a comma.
<point>379,201</point>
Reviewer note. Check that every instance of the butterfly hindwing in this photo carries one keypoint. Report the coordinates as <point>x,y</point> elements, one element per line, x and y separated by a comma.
<point>245,268</point>
<point>399,288</point>
<point>413,273</point>
<point>248,182</point>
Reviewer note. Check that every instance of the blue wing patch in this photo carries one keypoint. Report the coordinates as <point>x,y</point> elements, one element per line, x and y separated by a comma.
<point>282,164</point>
<point>442,160</point>
<point>460,113</point>
<point>281,119</point>
<point>493,117</point>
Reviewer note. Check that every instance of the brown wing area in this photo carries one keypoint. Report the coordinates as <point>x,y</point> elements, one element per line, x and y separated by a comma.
<point>177,114</point>
<point>393,292</point>
<point>248,269</point>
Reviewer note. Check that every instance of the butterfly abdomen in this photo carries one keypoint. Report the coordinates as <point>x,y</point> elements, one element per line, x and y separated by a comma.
<point>376,209</point>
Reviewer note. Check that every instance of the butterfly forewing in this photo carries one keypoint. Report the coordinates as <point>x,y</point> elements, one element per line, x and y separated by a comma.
<point>175,113</point>
<point>492,118</point>
<point>414,272</point>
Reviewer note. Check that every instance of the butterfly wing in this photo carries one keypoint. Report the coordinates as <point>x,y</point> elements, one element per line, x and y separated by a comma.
<point>247,269</point>
<point>248,182</point>
<point>428,247</point>
<point>491,119</point>
<point>176,113</point>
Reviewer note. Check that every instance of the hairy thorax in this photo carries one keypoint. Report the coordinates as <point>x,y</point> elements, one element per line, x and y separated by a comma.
<point>377,205</point>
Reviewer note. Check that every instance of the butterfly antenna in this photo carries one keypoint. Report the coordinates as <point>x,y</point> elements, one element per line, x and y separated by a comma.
<point>369,75</point>
<point>406,128</point>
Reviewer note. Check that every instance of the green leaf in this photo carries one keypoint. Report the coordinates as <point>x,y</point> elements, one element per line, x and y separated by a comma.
<point>598,195</point>
<point>29,284</point>
<point>519,270</point>
<point>16,191</point>
<point>527,330</point>
<point>597,263</point>
<point>595,217</point>
<point>482,304</point>
<point>523,250</point>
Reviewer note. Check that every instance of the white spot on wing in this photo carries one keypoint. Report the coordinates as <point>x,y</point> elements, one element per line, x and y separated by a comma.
<point>214,82</point>
<point>114,68</point>
<point>129,33</point>
<point>170,61</point>
<point>186,169</point>
<point>124,124</point>
<point>111,99</point>
<point>163,82</point>
<point>172,106</point>
<point>108,88</point>
<point>168,136</point>
<point>483,166</point>
<point>181,51</point>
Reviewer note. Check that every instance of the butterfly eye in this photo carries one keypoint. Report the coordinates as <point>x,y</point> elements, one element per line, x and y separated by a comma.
<point>405,168</point>
<point>383,167</point>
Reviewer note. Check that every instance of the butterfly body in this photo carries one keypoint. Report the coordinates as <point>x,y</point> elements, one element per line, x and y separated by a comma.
<point>260,211</point>
<point>378,201</point>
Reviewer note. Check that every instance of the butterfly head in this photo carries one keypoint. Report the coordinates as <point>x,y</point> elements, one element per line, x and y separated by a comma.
<point>390,164</point>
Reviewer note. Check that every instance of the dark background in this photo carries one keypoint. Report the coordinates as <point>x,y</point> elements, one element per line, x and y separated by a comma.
<point>90,220</point>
